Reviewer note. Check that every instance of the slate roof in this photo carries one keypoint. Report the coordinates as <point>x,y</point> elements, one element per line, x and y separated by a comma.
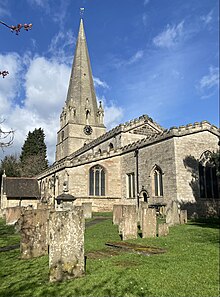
<point>21,187</point>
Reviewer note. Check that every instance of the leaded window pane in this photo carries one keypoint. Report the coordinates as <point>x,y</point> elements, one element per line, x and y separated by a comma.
<point>97,173</point>
<point>156,183</point>
<point>102,183</point>
<point>91,182</point>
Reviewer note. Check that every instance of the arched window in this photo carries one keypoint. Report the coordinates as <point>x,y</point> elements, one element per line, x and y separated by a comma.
<point>208,182</point>
<point>110,147</point>
<point>97,181</point>
<point>157,181</point>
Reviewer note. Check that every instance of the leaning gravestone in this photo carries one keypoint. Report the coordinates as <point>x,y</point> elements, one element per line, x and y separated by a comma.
<point>33,225</point>
<point>149,222</point>
<point>66,252</point>
<point>128,222</point>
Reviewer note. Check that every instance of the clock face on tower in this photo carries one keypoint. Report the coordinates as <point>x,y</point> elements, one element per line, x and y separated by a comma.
<point>87,130</point>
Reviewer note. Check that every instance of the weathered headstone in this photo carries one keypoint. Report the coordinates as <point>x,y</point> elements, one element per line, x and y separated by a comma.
<point>128,222</point>
<point>33,226</point>
<point>12,214</point>
<point>183,216</point>
<point>117,214</point>
<point>87,210</point>
<point>172,213</point>
<point>141,206</point>
<point>149,222</point>
<point>66,253</point>
<point>163,229</point>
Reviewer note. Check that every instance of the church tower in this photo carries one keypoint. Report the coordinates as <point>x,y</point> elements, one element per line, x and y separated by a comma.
<point>81,120</point>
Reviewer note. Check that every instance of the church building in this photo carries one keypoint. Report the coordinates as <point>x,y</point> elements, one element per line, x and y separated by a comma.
<point>136,161</point>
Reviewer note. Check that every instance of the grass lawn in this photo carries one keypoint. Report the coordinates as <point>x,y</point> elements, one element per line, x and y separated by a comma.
<point>190,267</point>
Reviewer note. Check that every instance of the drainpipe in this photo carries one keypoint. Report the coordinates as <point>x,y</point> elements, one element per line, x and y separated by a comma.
<point>137,175</point>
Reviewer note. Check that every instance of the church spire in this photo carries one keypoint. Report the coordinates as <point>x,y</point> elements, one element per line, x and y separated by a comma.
<point>81,97</point>
<point>81,121</point>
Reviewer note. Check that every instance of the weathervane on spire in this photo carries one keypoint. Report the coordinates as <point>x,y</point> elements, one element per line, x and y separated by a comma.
<point>82,9</point>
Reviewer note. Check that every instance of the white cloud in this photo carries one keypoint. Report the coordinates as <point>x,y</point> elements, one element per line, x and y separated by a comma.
<point>146,2</point>
<point>207,18</point>
<point>61,46</point>
<point>144,19</point>
<point>10,85</point>
<point>41,3</point>
<point>100,83</point>
<point>211,80</point>
<point>113,113</point>
<point>46,86</point>
<point>137,56</point>
<point>4,11</point>
<point>45,83</point>
<point>170,36</point>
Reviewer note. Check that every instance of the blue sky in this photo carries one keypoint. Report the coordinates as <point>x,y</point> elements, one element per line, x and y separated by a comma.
<point>155,57</point>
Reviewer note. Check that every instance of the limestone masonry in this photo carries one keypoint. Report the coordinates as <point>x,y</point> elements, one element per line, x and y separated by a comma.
<point>138,161</point>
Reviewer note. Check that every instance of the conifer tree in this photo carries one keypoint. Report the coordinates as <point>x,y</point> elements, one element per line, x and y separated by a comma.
<point>34,154</point>
<point>11,165</point>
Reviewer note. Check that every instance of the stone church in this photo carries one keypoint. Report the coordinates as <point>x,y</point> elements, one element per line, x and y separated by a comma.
<point>135,161</point>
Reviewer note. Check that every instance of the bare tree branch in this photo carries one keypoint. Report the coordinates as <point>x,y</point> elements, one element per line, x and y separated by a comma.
<point>6,138</point>
<point>17,28</point>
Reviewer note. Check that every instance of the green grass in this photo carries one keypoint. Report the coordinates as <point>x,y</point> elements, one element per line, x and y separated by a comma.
<point>190,267</point>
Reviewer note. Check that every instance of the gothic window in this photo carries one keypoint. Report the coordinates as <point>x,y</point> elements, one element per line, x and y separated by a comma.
<point>157,181</point>
<point>110,147</point>
<point>62,135</point>
<point>208,182</point>
<point>97,181</point>
<point>130,185</point>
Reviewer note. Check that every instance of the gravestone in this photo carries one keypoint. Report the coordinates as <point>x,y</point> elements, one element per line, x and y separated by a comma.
<point>142,205</point>
<point>117,214</point>
<point>128,223</point>
<point>33,225</point>
<point>149,222</point>
<point>66,253</point>
<point>87,210</point>
<point>13,214</point>
<point>183,216</point>
<point>172,213</point>
<point>163,229</point>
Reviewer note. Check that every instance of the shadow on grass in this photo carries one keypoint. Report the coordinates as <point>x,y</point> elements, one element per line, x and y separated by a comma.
<point>206,223</point>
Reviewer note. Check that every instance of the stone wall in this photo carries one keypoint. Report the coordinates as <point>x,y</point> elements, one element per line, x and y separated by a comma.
<point>160,154</point>
<point>188,149</point>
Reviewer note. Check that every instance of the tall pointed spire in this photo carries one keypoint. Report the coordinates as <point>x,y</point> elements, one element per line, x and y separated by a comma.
<point>81,120</point>
<point>81,93</point>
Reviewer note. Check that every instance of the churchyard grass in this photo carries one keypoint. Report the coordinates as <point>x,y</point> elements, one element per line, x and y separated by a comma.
<point>190,266</point>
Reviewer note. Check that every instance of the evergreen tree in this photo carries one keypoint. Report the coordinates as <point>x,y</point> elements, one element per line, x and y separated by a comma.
<point>34,154</point>
<point>12,166</point>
